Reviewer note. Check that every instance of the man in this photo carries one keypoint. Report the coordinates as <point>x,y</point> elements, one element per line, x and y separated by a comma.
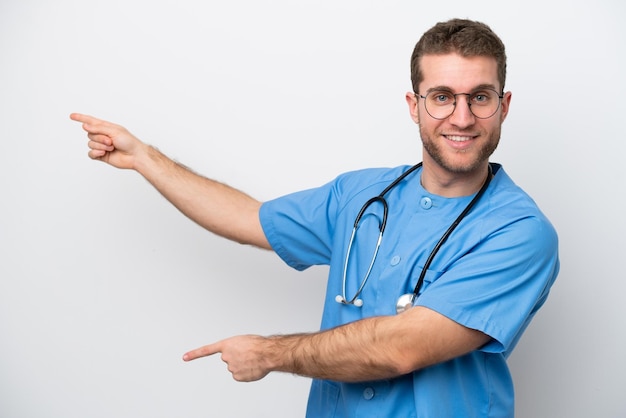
<point>469,254</point>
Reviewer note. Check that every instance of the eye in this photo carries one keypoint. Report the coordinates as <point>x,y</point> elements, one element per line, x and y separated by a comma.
<point>481,97</point>
<point>441,97</point>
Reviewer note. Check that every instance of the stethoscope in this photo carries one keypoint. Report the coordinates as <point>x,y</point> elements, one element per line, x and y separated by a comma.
<point>407,300</point>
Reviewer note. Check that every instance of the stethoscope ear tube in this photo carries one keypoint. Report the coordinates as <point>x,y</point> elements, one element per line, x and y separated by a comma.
<point>381,227</point>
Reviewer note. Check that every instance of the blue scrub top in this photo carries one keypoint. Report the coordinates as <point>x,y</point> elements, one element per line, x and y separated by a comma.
<point>492,274</point>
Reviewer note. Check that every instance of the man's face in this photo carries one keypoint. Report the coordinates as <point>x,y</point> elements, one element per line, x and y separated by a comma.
<point>460,143</point>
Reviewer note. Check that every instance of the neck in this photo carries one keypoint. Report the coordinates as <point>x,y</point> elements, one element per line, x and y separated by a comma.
<point>442,182</point>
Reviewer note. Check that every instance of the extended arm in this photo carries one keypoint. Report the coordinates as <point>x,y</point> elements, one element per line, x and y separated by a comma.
<point>369,349</point>
<point>213,205</point>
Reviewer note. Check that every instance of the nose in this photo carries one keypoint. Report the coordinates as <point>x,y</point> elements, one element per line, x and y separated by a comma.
<point>462,115</point>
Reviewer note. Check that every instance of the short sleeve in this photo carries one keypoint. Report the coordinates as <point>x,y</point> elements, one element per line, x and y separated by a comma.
<point>302,226</point>
<point>299,226</point>
<point>499,285</point>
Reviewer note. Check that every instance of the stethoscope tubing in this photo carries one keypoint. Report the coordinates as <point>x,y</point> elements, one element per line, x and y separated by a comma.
<point>410,298</point>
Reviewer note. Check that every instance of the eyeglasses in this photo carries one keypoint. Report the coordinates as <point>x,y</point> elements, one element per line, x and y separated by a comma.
<point>483,104</point>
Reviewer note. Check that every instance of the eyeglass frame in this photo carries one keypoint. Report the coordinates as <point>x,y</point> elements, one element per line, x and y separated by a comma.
<point>469,105</point>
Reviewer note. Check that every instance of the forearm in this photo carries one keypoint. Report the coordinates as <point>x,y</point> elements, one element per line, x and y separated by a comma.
<point>375,348</point>
<point>349,353</point>
<point>215,206</point>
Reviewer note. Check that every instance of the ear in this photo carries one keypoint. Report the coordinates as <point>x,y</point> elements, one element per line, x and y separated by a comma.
<point>506,102</point>
<point>411,101</point>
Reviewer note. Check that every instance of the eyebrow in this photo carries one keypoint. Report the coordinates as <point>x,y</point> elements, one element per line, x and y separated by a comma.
<point>446,88</point>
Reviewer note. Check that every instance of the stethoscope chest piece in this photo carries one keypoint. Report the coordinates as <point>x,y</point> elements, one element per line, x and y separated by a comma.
<point>405,302</point>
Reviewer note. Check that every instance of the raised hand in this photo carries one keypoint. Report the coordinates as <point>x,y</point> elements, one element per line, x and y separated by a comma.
<point>109,142</point>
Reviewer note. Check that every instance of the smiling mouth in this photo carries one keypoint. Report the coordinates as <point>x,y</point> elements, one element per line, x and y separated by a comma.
<point>459,138</point>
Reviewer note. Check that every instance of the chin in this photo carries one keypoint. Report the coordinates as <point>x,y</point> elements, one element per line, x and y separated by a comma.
<point>460,164</point>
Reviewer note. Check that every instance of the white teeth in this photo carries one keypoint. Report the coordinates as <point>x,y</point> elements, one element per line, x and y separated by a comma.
<point>457,138</point>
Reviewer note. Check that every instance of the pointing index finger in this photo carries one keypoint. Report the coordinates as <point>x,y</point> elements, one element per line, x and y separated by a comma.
<point>204,351</point>
<point>94,125</point>
<point>79,117</point>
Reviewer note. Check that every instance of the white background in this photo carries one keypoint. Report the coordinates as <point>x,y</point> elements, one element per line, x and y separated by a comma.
<point>104,285</point>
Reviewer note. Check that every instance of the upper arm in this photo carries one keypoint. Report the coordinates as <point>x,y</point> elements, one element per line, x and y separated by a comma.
<point>430,338</point>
